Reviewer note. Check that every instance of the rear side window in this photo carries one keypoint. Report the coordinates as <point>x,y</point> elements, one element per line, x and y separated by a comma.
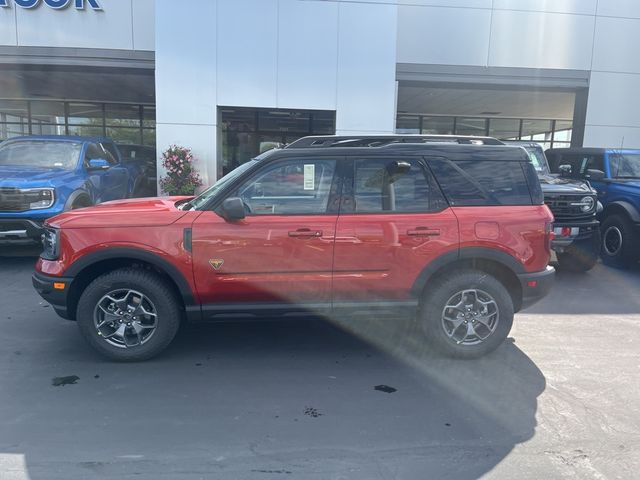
<point>393,185</point>
<point>480,182</point>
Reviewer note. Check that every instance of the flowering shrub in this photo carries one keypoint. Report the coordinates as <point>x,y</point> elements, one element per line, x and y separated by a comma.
<point>181,178</point>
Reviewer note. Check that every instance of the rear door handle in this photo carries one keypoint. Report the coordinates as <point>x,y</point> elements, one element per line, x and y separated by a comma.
<point>305,233</point>
<point>424,232</point>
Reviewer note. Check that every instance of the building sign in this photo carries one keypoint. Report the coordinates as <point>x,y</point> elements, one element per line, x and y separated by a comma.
<point>55,4</point>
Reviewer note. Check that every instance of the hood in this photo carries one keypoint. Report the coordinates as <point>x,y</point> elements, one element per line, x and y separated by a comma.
<point>557,184</point>
<point>138,212</point>
<point>27,177</point>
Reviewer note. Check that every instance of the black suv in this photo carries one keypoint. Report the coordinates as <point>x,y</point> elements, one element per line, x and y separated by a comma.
<point>574,204</point>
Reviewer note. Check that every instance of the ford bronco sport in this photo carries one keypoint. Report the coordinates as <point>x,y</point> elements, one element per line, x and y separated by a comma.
<point>458,233</point>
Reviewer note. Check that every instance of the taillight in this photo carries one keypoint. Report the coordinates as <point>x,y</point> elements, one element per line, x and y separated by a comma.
<point>549,235</point>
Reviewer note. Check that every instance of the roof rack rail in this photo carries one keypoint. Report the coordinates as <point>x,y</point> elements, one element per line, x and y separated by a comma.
<point>382,140</point>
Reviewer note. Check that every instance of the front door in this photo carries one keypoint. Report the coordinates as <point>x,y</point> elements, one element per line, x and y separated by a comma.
<point>281,253</point>
<point>393,222</point>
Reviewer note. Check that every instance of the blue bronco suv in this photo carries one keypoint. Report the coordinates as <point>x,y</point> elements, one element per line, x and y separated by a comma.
<point>615,174</point>
<point>42,176</point>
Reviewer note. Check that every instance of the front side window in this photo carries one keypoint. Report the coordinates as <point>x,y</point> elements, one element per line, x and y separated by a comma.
<point>62,155</point>
<point>387,185</point>
<point>299,187</point>
<point>109,153</point>
<point>625,165</point>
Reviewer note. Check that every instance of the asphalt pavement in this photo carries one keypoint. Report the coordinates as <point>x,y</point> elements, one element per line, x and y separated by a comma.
<point>333,399</point>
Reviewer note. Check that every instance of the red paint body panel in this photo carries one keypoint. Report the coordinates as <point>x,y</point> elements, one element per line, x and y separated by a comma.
<point>300,258</point>
<point>262,262</point>
<point>379,257</point>
<point>521,232</point>
<point>151,225</point>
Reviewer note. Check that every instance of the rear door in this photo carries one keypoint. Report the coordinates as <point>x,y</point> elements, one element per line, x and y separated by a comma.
<point>281,253</point>
<point>393,222</point>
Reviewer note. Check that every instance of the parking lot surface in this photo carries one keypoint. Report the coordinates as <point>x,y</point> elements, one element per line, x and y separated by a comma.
<point>333,399</point>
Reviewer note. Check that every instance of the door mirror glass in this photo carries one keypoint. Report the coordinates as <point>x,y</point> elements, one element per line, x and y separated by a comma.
<point>232,209</point>
<point>98,164</point>
<point>595,175</point>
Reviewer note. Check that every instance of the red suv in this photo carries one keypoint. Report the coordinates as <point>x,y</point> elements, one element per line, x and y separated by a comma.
<point>458,233</point>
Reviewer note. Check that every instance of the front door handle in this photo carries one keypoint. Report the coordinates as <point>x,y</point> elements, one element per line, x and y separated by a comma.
<point>424,232</point>
<point>305,233</point>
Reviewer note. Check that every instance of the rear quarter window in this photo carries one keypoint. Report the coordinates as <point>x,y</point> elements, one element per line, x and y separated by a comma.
<point>482,182</point>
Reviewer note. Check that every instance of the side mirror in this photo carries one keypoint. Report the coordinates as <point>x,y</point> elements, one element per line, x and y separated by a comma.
<point>98,164</point>
<point>232,209</point>
<point>565,170</point>
<point>595,175</point>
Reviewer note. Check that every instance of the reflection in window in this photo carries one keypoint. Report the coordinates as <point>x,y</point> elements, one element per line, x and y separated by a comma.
<point>380,186</point>
<point>292,188</point>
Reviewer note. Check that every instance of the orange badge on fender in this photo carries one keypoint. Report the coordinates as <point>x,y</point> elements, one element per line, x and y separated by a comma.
<point>216,263</point>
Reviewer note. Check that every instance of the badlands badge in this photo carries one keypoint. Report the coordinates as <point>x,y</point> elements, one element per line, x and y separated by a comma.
<point>216,263</point>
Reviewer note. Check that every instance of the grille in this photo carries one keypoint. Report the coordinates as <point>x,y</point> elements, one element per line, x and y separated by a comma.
<point>15,200</point>
<point>560,206</point>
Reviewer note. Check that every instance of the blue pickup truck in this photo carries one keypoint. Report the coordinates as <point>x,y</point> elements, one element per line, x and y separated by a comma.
<point>42,176</point>
<point>615,174</point>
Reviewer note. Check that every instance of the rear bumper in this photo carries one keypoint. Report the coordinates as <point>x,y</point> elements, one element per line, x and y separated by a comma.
<point>20,231</point>
<point>535,286</point>
<point>57,297</point>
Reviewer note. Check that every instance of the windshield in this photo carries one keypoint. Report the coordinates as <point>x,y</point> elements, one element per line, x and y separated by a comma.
<point>202,199</point>
<point>62,155</point>
<point>625,165</point>
<point>537,158</point>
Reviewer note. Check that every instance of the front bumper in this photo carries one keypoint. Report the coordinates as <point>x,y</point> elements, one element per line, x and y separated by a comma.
<point>535,286</point>
<point>57,297</point>
<point>20,231</point>
<point>579,232</point>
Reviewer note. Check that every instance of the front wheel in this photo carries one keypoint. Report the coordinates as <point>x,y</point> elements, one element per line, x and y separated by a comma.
<point>467,314</point>
<point>128,315</point>
<point>619,242</point>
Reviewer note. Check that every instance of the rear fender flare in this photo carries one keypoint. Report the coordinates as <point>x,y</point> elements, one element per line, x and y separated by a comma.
<point>627,207</point>
<point>468,253</point>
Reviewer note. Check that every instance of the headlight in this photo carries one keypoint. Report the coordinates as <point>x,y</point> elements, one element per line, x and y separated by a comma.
<point>40,198</point>
<point>50,244</point>
<point>586,204</point>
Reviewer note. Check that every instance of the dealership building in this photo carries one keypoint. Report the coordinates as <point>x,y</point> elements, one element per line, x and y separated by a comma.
<point>230,78</point>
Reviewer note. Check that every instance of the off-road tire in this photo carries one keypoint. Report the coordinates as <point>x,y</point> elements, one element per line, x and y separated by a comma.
<point>627,254</point>
<point>441,290</point>
<point>169,313</point>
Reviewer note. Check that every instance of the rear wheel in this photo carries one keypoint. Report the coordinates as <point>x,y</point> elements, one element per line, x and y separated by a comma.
<point>128,314</point>
<point>619,242</point>
<point>467,314</point>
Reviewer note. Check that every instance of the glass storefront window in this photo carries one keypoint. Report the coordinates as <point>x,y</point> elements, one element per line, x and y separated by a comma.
<point>437,125</point>
<point>86,130</point>
<point>284,121</point>
<point>504,128</point>
<point>48,113</point>
<point>471,126</point>
<point>407,124</point>
<point>149,117</point>
<point>14,119</point>
<point>536,130</point>
<point>124,135</point>
<point>149,137</point>
<point>85,114</point>
<point>247,132</point>
<point>122,115</point>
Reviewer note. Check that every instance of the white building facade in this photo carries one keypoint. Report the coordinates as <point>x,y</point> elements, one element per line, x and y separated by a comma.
<point>229,78</point>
